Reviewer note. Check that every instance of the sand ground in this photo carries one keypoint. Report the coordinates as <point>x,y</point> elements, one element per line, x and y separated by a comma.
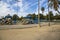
<point>35,33</point>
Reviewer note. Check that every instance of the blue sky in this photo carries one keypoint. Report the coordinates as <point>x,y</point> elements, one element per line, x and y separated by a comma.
<point>24,7</point>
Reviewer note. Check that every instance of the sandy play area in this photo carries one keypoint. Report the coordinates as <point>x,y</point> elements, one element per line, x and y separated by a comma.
<point>35,33</point>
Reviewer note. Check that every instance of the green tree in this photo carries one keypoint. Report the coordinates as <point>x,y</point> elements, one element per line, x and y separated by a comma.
<point>29,15</point>
<point>33,16</point>
<point>55,4</point>
<point>15,17</point>
<point>41,16</point>
<point>57,17</point>
<point>21,18</point>
<point>47,17</point>
<point>51,16</point>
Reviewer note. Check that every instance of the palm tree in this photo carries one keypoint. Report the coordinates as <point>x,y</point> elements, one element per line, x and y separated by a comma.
<point>55,4</point>
<point>51,15</point>
<point>33,16</point>
<point>58,2</point>
<point>42,9</point>
<point>48,12</point>
<point>38,13</point>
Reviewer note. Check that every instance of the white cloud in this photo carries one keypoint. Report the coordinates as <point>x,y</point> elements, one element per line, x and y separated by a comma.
<point>26,7</point>
<point>20,4</point>
<point>3,9</point>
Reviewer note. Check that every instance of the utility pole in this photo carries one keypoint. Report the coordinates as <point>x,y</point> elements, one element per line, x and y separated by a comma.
<point>38,13</point>
<point>48,13</point>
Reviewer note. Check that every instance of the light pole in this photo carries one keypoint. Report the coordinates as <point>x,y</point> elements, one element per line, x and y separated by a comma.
<point>48,13</point>
<point>38,13</point>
